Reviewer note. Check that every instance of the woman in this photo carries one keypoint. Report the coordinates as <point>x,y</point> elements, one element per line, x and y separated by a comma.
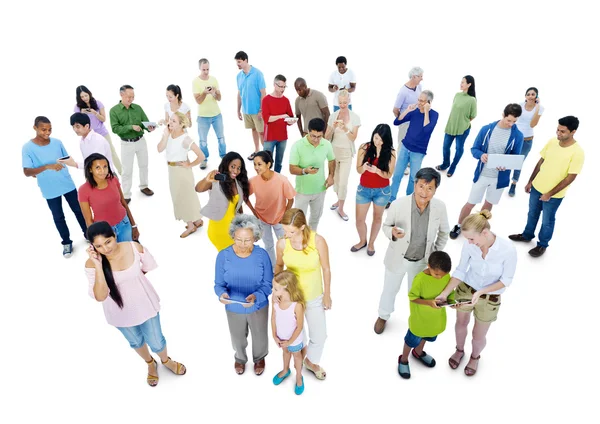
<point>181,178</point>
<point>274,195</point>
<point>375,164</point>
<point>464,110</point>
<point>306,254</point>
<point>86,103</point>
<point>101,199</point>
<point>243,282</point>
<point>530,117</point>
<point>342,130</point>
<point>487,266</point>
<point>228,189</point>
<point>117,276</point>
<point>175,104</point>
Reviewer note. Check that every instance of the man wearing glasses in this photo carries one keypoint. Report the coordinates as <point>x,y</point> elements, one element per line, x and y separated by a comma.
<point>307,161</point>
<point>277,115</point>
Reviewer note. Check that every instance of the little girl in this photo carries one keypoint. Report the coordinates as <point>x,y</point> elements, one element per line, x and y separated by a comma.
<point>287,322</point>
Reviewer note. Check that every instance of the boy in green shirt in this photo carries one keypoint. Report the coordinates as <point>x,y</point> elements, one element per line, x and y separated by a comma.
<point>427,319</point>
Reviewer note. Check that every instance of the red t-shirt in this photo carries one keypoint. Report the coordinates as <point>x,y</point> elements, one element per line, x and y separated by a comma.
<point>276,130</point>
<point>106,203</point>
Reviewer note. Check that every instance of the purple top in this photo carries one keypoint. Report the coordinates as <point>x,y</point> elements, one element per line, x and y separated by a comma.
<point>95,123</point>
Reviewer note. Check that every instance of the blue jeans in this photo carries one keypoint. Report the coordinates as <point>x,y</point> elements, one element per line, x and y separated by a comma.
<point>271,146</point>
<point>524,151</point>
<point>267,238</point>
<point>55,206</point>
<point>413,341</point>
<point>148,332</point>
<point>536,207</point>
<point>379,196</point>
<point>404,157</point>
<point>336,108</point>
<point>123,230</point>
<point>203,127</point>
<point>460,148</point>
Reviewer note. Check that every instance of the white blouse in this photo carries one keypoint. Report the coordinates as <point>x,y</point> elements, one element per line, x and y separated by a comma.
<point>183,108</point>
<point>177,148</point>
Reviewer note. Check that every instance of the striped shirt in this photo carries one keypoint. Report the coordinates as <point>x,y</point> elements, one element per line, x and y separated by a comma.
<point>497,146</point>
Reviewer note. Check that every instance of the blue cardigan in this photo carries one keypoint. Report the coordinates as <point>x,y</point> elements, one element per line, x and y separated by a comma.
<point>481,144</point>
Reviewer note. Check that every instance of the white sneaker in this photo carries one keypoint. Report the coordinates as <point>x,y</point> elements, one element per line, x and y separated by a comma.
<point>68,250</point>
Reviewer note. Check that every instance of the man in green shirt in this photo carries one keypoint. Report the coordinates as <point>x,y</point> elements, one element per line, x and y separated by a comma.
<point>126,120</point>
<point>307,159</point>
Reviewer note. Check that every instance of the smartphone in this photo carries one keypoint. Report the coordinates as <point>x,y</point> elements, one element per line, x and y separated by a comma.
<point>221,177</point>
<point>64,158</point>
<point>209,88</point>
<point>312,167</point>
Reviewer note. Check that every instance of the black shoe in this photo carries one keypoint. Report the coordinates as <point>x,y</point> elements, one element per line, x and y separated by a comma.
<point>518,237</point>
<point>455,232</point>
<point>537,251</point>
<point>388,205</point>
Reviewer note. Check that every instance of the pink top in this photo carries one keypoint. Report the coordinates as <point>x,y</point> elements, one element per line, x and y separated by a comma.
<point>271,197</point>
<point>140,301</point>
<point>285,320</point>
<point>105,203</point>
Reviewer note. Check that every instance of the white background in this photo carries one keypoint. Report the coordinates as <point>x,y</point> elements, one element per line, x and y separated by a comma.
<point>61,361</point>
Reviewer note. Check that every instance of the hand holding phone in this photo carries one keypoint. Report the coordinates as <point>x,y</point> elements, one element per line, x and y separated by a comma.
<point>220,177</point>
<point>398,232</point>
<point>64,158</point>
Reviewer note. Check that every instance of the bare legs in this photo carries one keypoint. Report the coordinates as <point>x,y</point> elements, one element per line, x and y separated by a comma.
<point>468,207</point>
<point>361,226</point>
<point>256,136</point>
<point>164,357</point>
<point>480,330</point>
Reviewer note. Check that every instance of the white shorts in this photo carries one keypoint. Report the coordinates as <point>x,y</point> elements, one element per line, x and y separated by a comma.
<point>487,186</point>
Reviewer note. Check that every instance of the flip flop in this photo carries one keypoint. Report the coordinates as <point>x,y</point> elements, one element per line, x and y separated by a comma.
<point>251,157</point>
<point>320,373</point>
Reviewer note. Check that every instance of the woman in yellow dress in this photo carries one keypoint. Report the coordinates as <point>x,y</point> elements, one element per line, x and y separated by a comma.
<point>228,189</point>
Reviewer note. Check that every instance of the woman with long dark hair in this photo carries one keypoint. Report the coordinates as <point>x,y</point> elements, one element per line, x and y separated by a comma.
<point>464,110</point>
<point>375,164</point>
<point>86,103</point>
<point>101,199</point>
<point>229,188</point>
<point>117,277</point>
<point>175,104</point>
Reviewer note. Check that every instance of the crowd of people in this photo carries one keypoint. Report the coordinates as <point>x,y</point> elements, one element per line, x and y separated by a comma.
<point>293,268</point>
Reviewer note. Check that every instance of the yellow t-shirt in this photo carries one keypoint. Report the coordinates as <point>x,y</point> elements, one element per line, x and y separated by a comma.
<point>209,107</point>
<point>558,163</point>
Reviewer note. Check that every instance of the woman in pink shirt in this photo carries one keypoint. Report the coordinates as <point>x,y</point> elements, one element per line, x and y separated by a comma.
<point>116,274</point>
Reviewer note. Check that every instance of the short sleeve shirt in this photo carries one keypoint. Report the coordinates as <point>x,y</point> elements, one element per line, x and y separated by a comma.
<point>342,81</point>
<point>209,107</point>
<point>310,107</point>
<point>558,163</point>
<point>249,86</point>
<point>106,203</point>
<point>271,197</point>
<point>304,154</point>
<point>52,183</point>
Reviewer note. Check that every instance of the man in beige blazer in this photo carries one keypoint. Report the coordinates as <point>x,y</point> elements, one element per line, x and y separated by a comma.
<point>416,226</point>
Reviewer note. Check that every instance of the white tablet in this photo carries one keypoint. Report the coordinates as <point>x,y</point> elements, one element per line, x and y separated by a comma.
<point>505,161</point>
<point>149,124</point>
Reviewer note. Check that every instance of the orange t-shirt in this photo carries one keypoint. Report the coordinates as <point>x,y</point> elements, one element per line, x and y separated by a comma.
<point>271,197</point>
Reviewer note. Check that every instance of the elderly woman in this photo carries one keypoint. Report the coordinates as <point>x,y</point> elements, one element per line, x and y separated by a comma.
<point>342,130</point>
<point>243,282</point>
<point>487,266</point>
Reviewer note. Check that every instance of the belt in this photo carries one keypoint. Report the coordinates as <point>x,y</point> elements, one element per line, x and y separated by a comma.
<point>490,297</point>
<point>528,139</point>
<point>130,140</point>
<point>412,260</point>
<point>173,163</point>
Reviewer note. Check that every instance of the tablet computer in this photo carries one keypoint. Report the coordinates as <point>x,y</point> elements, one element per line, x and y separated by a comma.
<point>149,124</point>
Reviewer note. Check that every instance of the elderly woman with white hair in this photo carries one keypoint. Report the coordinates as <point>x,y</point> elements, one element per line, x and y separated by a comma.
<point>243,282</point>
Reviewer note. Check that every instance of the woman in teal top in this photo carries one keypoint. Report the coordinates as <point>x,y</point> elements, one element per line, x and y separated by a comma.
<point>464,110</point>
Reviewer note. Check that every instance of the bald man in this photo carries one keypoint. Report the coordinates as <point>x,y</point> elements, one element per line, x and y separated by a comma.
<point>309,104</point>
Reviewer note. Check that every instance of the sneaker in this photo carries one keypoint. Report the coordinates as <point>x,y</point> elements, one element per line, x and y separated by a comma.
<point>203,164</point>
<point>67,250</point>
<point>455,232</point>
<point>511,191</point>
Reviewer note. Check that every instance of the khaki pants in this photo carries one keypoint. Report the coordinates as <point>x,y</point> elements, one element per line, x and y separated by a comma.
<point>343,165</point>
<point>115,157</point>
<point>315,201</point>
<point>130,149</point>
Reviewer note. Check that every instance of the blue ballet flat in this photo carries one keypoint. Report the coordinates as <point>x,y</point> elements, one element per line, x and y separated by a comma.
<point>277,380</point>
<point>299,389</point>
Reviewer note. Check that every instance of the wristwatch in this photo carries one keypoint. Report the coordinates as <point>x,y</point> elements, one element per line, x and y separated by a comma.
<point>303,173</point>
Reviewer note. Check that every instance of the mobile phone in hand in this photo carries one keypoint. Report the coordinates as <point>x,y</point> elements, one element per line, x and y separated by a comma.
<point>64,158</point>
<point>221,177</point>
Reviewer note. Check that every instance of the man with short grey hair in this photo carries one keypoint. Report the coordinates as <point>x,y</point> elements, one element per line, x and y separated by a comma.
<point>408,95</point>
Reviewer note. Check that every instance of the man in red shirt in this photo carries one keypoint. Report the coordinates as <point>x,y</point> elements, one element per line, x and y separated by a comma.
<point>277,115</point>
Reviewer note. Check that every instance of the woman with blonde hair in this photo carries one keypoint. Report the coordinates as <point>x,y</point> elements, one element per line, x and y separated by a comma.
<point>177,144</point>
<point>487,266</point>
<point>305,253</point>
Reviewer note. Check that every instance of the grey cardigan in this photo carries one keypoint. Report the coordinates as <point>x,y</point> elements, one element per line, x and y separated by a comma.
<point>218,203</point>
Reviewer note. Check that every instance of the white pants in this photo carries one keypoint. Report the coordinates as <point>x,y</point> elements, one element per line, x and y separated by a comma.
<point>267,237</point>
<point>130,149</point>
<point>485,186</point>
<point>316,202</point>
<point>317,329</point>
<point>402,130</point>
<point>393,281</point>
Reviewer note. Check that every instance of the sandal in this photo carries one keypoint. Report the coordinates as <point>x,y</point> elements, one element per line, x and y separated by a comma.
<point>425,359</point>
<point>320,373</point>
<point>181,370</point>
<point>449,175</point>
<point>188,232</point>
<point>251,157</point>
<point>470,372</point>
<point>152,380</point>
<point>199,225</point>
<point>453,363</point>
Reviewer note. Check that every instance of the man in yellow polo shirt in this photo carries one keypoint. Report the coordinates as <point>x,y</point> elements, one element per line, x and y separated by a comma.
<point>561,162</point>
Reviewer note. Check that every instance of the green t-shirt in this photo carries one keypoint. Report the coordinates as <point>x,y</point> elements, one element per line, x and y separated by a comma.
<point>464,108</point>
<point>304,155</point>
<point>425,321</point>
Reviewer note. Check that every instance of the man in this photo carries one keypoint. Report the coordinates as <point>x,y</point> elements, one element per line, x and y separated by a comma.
<point>276,109</point>
<point>341,79</point>
<point>207,94</point>
<point>251,90</point>
<point>309,104</point>
<point>91,142</point>
<point>307,159</point>
<point>413,148</point>
<point>416,225</point>
<point>39,158</point>
<point>561,162</point>
<point>500,137</point>
<point>126,122</point>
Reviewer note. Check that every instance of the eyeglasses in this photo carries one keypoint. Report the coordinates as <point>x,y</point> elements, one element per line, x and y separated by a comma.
<point>240,241</point>
<point>281,86</point>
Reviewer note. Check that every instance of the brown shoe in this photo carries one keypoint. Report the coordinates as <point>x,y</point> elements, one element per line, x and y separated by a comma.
<point>147,191</point>
<point>259,367</point>
<point>239,368</point>
<point>379,325</point>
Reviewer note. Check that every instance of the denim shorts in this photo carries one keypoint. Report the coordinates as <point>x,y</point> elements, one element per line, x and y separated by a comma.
<point>148,332</point>
<point>296,348</point>
<point>413,341</point>
<point>379,196</point>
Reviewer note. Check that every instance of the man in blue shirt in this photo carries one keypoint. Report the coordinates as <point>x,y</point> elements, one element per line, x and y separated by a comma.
<point>251,90</point>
